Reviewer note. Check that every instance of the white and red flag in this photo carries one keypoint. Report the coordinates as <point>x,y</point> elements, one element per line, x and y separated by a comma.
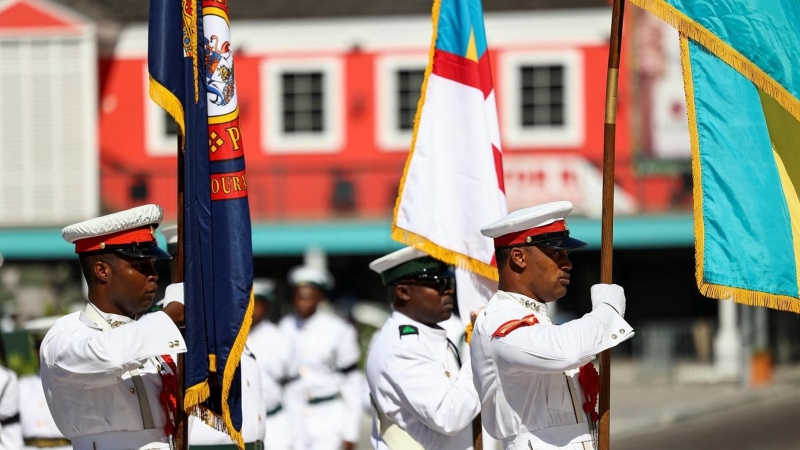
<point>452,185</point>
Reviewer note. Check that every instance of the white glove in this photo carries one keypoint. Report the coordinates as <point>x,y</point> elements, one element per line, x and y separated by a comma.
<point>610,294</point>
<point>173,293</point>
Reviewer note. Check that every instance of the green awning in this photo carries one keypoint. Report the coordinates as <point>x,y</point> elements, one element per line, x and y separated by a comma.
<point>367,237</point>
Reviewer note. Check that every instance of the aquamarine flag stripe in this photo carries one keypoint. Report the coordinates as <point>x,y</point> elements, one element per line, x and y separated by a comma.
<point>766,32</point>
<point>747,228</point>
<point>457,18</point>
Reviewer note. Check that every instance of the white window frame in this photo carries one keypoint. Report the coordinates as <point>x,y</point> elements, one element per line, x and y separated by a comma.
<point>389,137</point>
<point>273,139</point>
<point>569,135</point>
<point>159,143</point>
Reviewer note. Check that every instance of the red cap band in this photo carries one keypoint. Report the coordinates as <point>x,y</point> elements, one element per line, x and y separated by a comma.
<point>518,237</point>
<point>133,236</point>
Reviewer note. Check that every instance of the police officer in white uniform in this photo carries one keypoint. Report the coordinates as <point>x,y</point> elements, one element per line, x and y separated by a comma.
<point>201,435</point>
<point>526,368</point>
<point>274,354</point>
<point>417,379</point>
<point>39,430</point>
<point>324,403</point>
<point>100,367</point>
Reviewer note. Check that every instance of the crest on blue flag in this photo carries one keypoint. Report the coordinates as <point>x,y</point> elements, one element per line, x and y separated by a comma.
<point>191,76</point>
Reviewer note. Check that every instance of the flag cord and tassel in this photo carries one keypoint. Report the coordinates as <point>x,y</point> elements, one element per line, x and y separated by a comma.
<point>607,233</point>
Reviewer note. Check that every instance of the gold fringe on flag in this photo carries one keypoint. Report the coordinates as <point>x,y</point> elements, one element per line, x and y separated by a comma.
<point>716,291</point>
<point>233,361</point>
<point>197,394</point>
<point>722,50</point>
<point>169,102</point>
<point>443,254</point>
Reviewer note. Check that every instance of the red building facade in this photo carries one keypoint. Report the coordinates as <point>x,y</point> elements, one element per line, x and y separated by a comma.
<point>327,108</point>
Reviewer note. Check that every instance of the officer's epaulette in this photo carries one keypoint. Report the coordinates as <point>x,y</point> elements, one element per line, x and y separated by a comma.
<point>406,330</point>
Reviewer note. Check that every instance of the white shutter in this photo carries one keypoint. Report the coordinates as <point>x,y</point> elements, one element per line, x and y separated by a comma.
<point>48,143</point>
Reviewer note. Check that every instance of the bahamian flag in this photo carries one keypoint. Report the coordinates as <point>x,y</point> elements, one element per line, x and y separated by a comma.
<point>190,60</point>
<point>742,80</point>
<point>452,185</point>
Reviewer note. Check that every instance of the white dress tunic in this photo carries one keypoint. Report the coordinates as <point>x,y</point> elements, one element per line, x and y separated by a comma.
<point>86,373</point>
<point>324,405</point>
<point>415,380</point>
<point>275,358</point>
<point>37,422</point>
<point>521,379</point>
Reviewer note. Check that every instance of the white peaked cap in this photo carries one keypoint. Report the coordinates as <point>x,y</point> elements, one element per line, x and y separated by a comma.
<point>525,219</point>
<point>263,287</point>
<point>170,233</point>
<point>113,223</point>
<point>302,275</point>
<point>542,225</point>
<point>394,259</point>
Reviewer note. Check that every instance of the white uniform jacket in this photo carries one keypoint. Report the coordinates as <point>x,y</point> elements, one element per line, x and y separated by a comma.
<point>10,430</point>
<point>325,400</point>
<point>253,412</point>
<point>526,402</point>
<point>416,380</point>
<point>274,356</point>
<point>87,381</point>
<point>37,422</point>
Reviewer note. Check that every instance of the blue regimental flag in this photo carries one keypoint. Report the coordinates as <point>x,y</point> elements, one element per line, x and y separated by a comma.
<point>740,64</point>
<point>191,67</point>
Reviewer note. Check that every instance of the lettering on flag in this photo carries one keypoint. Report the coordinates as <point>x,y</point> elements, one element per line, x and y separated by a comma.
<point>226,186</point>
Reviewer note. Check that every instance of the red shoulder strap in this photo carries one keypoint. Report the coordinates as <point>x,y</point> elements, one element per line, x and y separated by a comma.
<point>512,325</point>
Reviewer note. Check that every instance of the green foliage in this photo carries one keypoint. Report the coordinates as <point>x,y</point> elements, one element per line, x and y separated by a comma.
<point>22,365</point>
<point>20,355</point>
<point>364,333</point>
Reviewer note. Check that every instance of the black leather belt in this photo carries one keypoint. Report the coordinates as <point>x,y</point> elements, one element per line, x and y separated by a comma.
<point>257,445</point>
<point>318,400</point>
<point>9,420</point>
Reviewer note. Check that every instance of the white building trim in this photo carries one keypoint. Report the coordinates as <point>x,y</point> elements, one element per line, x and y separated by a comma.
<point>583,27</point>
<point>571,134</point>
<point>389,137</point>
<point>273,139</point>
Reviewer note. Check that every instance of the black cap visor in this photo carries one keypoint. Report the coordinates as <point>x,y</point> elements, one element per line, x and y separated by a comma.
<point>141,251</point>
<point>566,243</point>
<point>443,272</point>
<point>558,240</point>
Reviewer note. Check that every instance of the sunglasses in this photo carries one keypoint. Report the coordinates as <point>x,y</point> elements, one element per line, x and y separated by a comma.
<point>442,284</point>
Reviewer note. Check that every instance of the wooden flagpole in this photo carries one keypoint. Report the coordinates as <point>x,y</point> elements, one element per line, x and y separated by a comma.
<point>477,433</point>
<point>607,236</point>
<point>181,419</point>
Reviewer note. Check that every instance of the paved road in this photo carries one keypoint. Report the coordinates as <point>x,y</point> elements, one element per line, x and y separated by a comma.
<point>773,425</point>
